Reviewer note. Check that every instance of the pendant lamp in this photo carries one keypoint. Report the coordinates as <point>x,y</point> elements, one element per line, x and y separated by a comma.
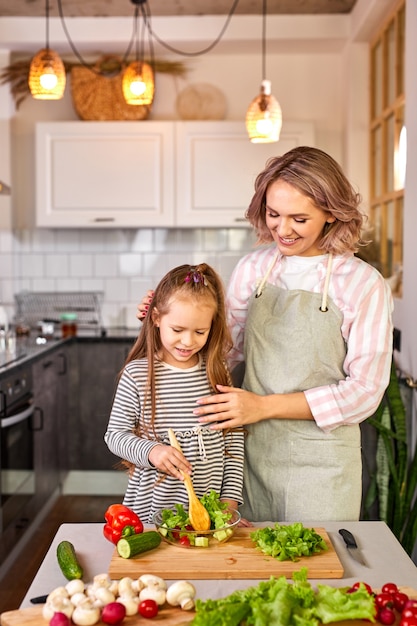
<point>138,78</point>
<point>264,115</point>
<point>47,75</point>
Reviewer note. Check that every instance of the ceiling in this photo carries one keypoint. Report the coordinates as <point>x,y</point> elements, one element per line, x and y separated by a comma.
<point>121,8</point>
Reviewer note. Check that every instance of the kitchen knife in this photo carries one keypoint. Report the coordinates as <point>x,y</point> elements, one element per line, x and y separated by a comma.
<point>39,600</point>
<point>352,546</point>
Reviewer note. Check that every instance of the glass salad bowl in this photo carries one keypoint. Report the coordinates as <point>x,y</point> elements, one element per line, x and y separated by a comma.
<point>187,537</point>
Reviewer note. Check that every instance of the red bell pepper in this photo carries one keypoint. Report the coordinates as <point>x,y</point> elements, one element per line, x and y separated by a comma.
<point>121,522</point>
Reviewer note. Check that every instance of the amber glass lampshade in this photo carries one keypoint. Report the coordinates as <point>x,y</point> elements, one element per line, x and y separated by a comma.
<point>47,76</point>
<point>264,117</point>
<point>138,83</point>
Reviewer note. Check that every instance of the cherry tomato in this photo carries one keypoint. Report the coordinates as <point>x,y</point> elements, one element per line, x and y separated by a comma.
<point>383,600</point>
<point>400,600</point>
<point>389,588</point>
<point>409,611</point>
<point>184,541</point>
<point>148,608</point>
<point>358,584</point>
<point>176,533</point>
<point>386,616</point>
<point>408,621</point>
<point>411,603</point>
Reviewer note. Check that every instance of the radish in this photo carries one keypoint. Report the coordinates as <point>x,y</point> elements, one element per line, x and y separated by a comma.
<point>113,613</point>
<point>59,619</point>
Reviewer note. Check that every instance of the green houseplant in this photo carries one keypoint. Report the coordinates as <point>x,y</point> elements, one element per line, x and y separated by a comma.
<point>393,482</point>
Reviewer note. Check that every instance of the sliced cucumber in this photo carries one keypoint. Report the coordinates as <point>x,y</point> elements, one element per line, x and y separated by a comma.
<point>136,544</point>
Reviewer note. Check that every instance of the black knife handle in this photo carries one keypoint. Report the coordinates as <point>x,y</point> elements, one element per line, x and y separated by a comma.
<point>348,538</point>
<point>39,600</point>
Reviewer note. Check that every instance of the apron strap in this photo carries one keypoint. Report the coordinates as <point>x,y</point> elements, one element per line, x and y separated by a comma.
<point>265,278</point>
<point>323,307</point>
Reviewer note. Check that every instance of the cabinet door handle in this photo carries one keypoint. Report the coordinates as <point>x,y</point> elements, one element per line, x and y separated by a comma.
<point>37,412</point>
<point>63,371</point>
<point>103,219</point>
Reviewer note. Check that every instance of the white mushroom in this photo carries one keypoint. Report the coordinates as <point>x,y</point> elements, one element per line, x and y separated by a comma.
<point>130,603</point>
<point>75,586</point>
<point>181,593</point>
<point>153,592</point>
<point>58,604</point>
<point>103,596</point>
<point>150,580</point>
<point>76,598</point>
<point>138,585</point>
<point>60,592</point>
<point>125,587</point>
<point>102,580</point>
<point>114,587</point>
<point>86,614</point>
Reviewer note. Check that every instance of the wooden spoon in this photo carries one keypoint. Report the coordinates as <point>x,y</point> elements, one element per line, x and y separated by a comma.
<point>198,514</point>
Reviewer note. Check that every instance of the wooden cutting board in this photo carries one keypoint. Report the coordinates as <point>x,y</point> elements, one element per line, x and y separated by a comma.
<point>32,616</point>
<point>238,558</point>
<point>167,616</point>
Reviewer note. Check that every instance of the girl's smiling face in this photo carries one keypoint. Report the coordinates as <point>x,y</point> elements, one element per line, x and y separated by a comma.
<point>294,221</point>
<point>184,330</point>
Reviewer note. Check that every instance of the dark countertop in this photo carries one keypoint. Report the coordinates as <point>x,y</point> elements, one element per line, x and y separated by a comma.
<point>28,349</point>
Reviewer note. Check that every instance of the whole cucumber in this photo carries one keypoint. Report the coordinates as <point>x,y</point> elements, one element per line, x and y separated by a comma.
<point>68,561</point>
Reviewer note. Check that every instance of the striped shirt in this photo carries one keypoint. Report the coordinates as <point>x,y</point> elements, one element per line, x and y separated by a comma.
<point>365,300</point>
<point>216,458</point>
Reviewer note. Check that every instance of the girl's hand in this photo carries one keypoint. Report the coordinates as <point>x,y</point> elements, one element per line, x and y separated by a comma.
<point>229,409</point>
<point>143,306</point>
<point>170,461</point>
<point>244,523</point>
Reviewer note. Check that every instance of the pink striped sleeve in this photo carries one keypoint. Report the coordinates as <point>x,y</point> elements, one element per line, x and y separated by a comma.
<point>367,329</point>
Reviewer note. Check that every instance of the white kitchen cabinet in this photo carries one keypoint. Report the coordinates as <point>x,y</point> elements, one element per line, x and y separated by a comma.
<point>104,174</point>
<point>216,169</point>
<point>151,174</point>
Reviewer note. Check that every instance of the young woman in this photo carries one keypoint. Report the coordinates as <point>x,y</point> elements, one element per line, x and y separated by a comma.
<point>312,322</point>
<point>179,356</point>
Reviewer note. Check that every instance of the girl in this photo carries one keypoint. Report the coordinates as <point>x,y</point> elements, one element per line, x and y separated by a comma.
<point>179,356</point>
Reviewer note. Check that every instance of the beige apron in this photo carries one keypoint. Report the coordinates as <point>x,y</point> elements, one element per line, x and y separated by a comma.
<point>293,470</point>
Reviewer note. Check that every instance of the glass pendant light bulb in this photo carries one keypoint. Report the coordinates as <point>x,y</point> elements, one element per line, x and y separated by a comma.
<point>264,117</point>
<point>48,80</point>
<point>137,86</point>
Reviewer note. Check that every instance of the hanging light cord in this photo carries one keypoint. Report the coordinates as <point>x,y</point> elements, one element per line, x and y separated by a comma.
<point>74,49</point>
<point>47,24</point>
<point>134,37</point>
<point>263,39</point>
<point>203,50</point>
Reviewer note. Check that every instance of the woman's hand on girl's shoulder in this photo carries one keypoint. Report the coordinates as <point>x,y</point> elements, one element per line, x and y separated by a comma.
<point>143,305</point>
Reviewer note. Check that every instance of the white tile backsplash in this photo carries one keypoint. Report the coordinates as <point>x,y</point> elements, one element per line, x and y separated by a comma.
<point>122,263</point>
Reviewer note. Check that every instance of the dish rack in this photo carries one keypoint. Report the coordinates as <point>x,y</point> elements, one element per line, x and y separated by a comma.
<point>48,306</point>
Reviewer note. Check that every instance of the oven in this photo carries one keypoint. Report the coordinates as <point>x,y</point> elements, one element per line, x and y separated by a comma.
<point>17,482</point>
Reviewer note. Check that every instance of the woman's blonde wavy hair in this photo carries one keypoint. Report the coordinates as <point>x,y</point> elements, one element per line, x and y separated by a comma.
<point>318,176</point>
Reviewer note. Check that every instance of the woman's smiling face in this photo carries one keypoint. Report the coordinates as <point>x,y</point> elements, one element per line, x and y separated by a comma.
<point>294,221</point>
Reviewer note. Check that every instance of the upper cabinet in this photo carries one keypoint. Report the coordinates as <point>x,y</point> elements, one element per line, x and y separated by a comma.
<point>150,174</point>
<point>104,174</point>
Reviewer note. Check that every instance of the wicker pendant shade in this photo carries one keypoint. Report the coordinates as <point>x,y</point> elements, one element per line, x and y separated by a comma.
<point>138,84</point>
<point>47,75</point>
<point>264,117</point>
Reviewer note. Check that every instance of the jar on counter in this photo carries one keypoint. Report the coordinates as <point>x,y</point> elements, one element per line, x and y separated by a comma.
<point>69,325</point>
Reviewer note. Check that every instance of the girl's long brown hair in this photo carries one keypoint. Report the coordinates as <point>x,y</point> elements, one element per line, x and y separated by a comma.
<point>198,283</point>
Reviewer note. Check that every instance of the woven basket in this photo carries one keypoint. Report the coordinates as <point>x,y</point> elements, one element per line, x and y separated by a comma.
<point>99,96</point>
